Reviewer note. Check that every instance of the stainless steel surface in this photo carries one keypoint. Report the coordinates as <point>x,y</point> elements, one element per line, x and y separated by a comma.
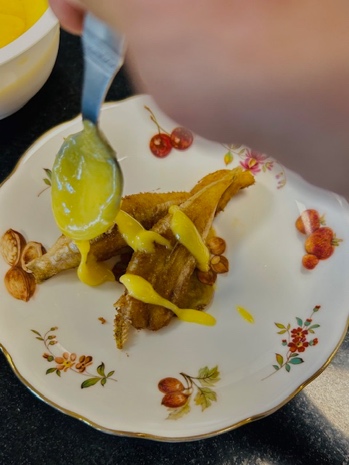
<point>103,57</point>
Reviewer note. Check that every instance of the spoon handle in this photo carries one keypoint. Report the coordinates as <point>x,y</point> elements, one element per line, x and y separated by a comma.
<point>103,57</point>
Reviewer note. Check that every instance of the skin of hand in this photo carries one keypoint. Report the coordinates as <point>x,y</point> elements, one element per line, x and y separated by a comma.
<point>271,74</point>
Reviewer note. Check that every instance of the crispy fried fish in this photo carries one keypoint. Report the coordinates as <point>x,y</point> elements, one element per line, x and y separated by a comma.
<point>170,271</point>
<point>147,208</point>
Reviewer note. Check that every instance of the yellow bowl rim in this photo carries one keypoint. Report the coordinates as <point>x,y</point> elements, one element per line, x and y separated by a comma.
<point>29,38</point>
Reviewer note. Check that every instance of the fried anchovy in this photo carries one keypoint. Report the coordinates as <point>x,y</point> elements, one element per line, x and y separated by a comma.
<point>170,271</point>
<point>147,208</point>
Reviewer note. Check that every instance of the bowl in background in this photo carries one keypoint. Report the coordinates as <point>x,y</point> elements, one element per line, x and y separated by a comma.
<point>26,63</point>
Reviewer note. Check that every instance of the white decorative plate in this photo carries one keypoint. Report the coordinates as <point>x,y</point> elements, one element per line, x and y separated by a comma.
<point>229,374</point>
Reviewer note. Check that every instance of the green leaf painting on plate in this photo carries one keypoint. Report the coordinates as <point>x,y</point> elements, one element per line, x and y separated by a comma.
<point>69,361</point>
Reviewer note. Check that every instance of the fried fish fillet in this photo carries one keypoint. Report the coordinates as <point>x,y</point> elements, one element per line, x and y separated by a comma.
<point>147,208</point>
<point>170,271</point>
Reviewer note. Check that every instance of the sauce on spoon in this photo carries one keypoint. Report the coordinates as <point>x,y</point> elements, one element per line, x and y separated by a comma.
<point>86,185</point>
<point>86,192</point>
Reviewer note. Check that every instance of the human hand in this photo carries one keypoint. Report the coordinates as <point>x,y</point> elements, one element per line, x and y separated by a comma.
<point>271,74</point>
<point>70,14</point>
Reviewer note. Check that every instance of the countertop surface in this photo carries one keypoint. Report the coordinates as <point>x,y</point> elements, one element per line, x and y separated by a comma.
<point>313,428</point>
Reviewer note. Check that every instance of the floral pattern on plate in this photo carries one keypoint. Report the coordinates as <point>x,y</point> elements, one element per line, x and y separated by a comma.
<point>255,162</point>
<point>65,361</point>
<point>296,341</point>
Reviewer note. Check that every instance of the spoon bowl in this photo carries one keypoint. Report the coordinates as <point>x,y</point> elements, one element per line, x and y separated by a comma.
<point>87,180</point>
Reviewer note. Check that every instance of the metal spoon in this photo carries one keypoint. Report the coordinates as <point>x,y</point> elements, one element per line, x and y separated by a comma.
<point>87,180</point>
<point>103,57</point>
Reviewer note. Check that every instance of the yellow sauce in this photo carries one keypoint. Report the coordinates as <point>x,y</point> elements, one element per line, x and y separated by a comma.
<point>142,290</point>
<point>245,314</point>
<point>86,191</point>
<point>136,236</point>
<point>83,213</point>
<point>85,196</point>
<point>90,271</point>
<point>187,234</point>
<point>17,16</point>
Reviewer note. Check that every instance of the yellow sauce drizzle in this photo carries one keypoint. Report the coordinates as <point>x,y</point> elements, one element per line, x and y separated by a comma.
<point>136,236</point>
<point>142,290</point>
<point>245,314</point>
<point>90,271</point>
<point>17,16</point>
<point>187,234</point>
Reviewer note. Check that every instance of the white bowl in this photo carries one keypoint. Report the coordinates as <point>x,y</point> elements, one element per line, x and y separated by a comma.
<point>26,63</point>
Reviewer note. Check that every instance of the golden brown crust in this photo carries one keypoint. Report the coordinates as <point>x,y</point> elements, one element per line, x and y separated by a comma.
<point>169,271</point>
<point>147,208</point>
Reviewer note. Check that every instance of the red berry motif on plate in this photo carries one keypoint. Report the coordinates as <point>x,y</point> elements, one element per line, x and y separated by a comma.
<point>309,261</point>
<point>321,240</point>
<point>181,138</point>
<point>174,399</point>
<point>167,385</point>
<point>320,243</point>
<point>160,145</point>
<point>308,221</point>
<point>163,142</point>
<point>177,396</point>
